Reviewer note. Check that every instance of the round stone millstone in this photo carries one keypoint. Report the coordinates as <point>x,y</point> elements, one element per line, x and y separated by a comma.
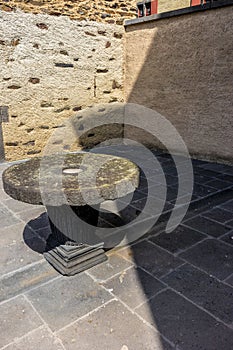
<point>51,181</point>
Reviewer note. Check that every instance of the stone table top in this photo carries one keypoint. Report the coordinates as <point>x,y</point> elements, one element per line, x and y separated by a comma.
<point>71,178</point>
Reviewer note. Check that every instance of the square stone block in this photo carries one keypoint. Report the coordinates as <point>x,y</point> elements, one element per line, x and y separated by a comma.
<point>112,327</point>
<point>66,299</point>
<point>17,318</point>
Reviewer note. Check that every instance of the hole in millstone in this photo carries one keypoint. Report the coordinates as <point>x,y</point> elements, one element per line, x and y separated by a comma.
<point>90,135</point>
<point>73,171</point>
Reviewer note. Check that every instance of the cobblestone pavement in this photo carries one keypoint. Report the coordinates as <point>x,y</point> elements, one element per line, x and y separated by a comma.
<point>164,291</point>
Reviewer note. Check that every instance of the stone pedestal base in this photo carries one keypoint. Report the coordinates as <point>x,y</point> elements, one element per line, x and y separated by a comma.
<point>74,223</point>
<point>73,245</point>
<point>75,258</point>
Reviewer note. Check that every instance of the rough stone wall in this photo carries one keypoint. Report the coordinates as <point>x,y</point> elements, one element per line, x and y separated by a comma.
<point>182,67</point>
<point>50,68</point>
<point>108,11</point>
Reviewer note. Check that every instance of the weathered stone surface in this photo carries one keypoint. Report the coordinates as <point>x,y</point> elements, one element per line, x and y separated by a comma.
<point>76,296</point>
<point>112,327</point>
<point>27,278</point>
<point>179,239</point>
<point>17,319</point>
<point>39,339</point>
<point>153,259</point>
<point>114,177</point>
<point>184,323</point>
<point>114,265</point>
<point>204,290</point>
<point>134,286</point>
<point>212,256</point>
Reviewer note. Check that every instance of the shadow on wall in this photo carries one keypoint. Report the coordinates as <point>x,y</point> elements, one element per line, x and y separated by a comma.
<point>182,68</point>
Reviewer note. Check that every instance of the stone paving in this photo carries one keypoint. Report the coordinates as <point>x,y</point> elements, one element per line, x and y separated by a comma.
<point>164,291</point>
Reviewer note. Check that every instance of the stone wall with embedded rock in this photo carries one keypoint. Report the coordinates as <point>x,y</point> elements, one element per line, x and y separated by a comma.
<point>182,67</point>
<point>51,68</point>
<point>108,11</point>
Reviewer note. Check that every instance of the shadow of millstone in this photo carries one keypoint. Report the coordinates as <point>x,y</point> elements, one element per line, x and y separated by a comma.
<point>37,233</point>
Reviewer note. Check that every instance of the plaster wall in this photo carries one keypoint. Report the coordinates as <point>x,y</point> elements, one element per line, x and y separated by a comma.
<point>182,67</point>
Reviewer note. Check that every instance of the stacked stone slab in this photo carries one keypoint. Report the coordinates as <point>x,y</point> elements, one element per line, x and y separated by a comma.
<point>72,259</point>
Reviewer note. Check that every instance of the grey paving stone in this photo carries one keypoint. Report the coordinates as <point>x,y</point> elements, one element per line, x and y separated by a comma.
<point>169,169</point>
<point>198,162</point>
<point>127,253</point>
<point>64,300</point>
<point>225,177</point>
<point>219,184</point>
<point>229,280</point>
<point>170,192</point>
<point>227,205</point>
<point>25,279</point>
<point>112,327</point>
<point>205,172</point>
<point>230,223</point>
<point>185,324</point>
<point>39,222</point>
<point>35,240</point>
<point>150,206</point>
<point>215,167</point>
<point>31,214</point>
<point>168,206</point>
<point>134,286</point>
<point>171,180</point>
<point>203,190</point>
<point>3,195</point>
<point>181,238</point>
<point>218,214</point>
<point>3,166</point>
<point>228,238</point>
<point>185,199</point>
<point>206,291</point>
<point>153,259</point>
<point>14,253</point>
<point>12,234</point>
<point>17,318</point>
<point>17,206</point>
<point>39,339</point>
<point>228,171</point>
<point>213,256</point>
<point>43,232</point>
<point>201,179</point>
<point>7,218</point>
<point>207,226</point>
<point>109,268</point>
